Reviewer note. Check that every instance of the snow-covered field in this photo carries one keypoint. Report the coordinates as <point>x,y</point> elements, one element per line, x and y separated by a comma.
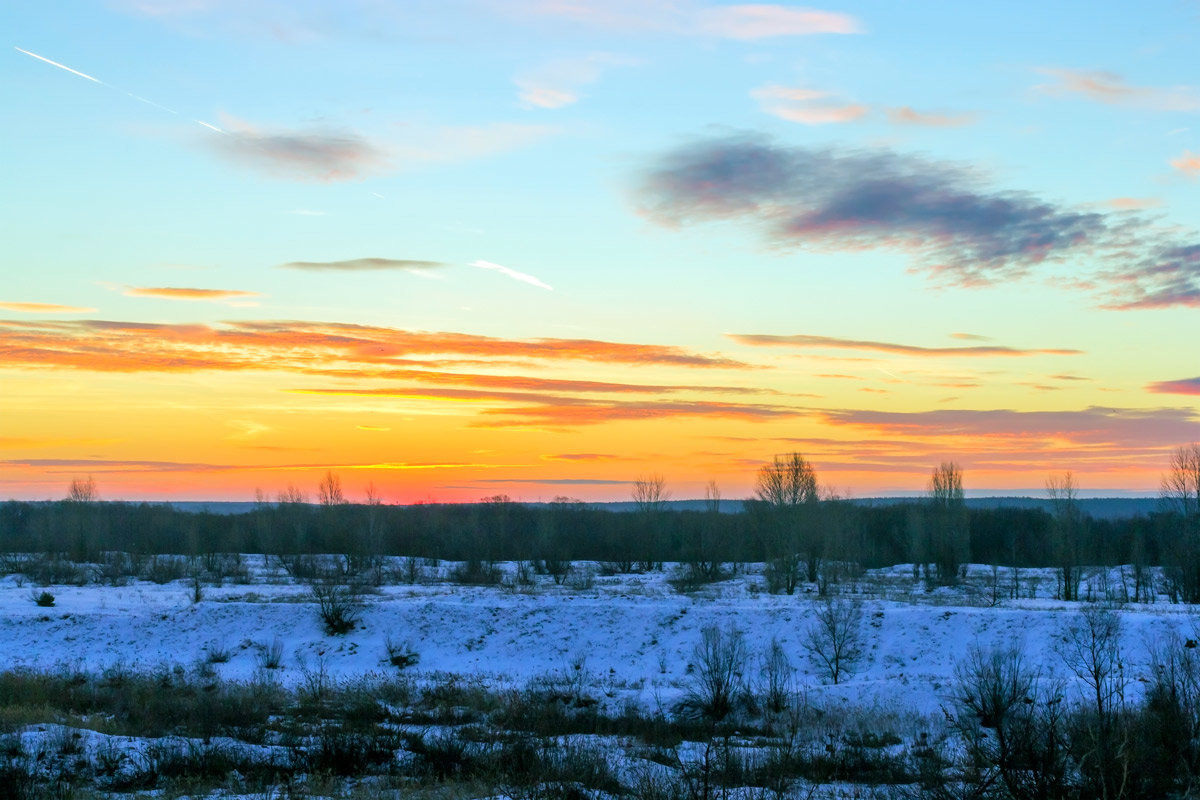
<point>624,636</point>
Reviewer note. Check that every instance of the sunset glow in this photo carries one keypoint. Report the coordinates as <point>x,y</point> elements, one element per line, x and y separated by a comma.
<point>487,247</point>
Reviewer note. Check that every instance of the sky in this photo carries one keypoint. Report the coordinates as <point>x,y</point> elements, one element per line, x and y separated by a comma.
<point>547,248</point>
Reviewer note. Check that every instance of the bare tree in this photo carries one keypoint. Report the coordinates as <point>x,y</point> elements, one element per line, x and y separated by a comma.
<point>291,495</point>
<point>788,486</point>
<point>1181,484</point>
<point>712,497</point>
<point>946,525</point>
<point>834,640</point>
<point>329,491</point>
<point>650,493</point>
<point>1068,521</point>
<point>82,490</point>
<point>787,481</point>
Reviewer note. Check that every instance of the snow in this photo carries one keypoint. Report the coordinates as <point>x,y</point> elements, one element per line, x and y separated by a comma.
<point>626,637</point>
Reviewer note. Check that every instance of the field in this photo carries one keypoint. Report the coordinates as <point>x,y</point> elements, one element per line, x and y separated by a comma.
<point>603,683</point>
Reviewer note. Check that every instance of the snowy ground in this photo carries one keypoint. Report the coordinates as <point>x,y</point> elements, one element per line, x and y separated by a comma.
<point>626,636</point>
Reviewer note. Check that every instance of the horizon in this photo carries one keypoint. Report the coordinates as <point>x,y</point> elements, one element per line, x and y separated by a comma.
<point>488,247</point>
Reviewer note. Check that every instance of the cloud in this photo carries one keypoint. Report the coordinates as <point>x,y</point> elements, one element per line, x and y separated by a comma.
<point>1188,163</point>
<point>43,308</point>
<point>555,481</point>
<point>420,145</point>
<point>760,21</point>
<point>363,265</point>
<point>806,106</point>
<point>904,115</point>
<point>1111,89</point>
<point>805,341</point>
<point>574,414</point>
<point>581,457</point>
<point>1133,203</point>
<point>558,83</point>
<point>1184,386</point>
<point>1161,277</point>
<point>178,293</point>
<point>512,273</point>
<point>324,156</point>
<point>744,22</point>
<point>956,229</point>
<point>1090,427</point>
<point>313,347</point>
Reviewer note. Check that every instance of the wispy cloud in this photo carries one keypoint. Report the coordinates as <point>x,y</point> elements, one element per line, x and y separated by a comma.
<point>805,341</point>
<point>905,115</point>
<point>761,21</point>
<point>1111,89</point>
<point>302,347</point>
<point>807,106</point>
<point>1108,427</point>
<point>581,457</point>
<point>182,293</point>
<point>364,265</point>
<point>512,273</point>
<point>1184,386</point>
<point>43,308</point>
<point>956,229</point>
<point>559,83</point>
<point>573,414</point>
<point>317,155</point>
<point>1188,163</point>
<point>745,22</point>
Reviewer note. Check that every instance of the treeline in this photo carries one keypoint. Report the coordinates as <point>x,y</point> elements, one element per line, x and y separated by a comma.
<point>814,534</point>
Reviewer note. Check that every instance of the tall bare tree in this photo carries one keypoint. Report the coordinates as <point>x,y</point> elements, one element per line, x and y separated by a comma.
<point>788,485</point>
<point>1181,483</point>
<point>946,525</point>
<point>1181,494</point>
<point>1068,525</point>
<point>788,480</point>
<point>650,494</point>
<point>82,490</point>
<point>329,491</point>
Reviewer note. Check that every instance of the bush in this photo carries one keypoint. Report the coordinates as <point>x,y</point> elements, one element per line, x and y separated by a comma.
<point>338,607</point>
<point>401,654</point>
<point>271,656</point>
<point>43,599</point>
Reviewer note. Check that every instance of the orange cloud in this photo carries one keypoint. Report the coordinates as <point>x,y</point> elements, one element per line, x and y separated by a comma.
<point>804,341</point>
<point>904,115</point>
<point>43,308</point>
<point>114,346</point>
<point>1111,89</point>
<point>575,413</point>
<point>1188,164</point>
<point>180,293</point>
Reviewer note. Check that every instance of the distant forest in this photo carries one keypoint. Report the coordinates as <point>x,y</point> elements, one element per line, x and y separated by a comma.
<point>802,535</point>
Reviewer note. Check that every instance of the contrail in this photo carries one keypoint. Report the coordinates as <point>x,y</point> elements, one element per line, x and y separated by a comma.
<point>62,66</point>
<point>512,273</point>
<point>139,98</point>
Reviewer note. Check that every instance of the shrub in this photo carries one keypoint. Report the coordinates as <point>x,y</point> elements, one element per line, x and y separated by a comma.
<point>720,659</point>
<point>271,656</point>
<point>43,599</point>
<point>401,654</point>
<point>338,607</point>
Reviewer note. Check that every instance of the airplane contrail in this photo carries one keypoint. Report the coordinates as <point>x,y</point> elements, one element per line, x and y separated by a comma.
<point>512,273</point>
<point>110,86</point>
<point>62,66</point>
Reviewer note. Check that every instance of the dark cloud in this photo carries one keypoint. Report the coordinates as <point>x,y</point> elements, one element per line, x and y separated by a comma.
<point>957,229</point>
<point>804,341</point>
<point>1167,275</point>
<point>364,264</point>
<point>862,199</point>
<point>323,156</point>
